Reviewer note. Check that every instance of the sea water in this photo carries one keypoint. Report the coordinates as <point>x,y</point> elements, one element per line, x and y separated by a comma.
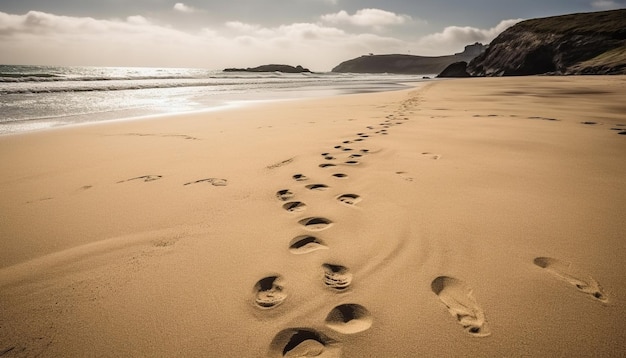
<point>39,97</point>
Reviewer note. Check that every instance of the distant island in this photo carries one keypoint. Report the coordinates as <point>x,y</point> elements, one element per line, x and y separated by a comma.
<point>407,64</point>
<point>270,68</point>
<point>576,44</point>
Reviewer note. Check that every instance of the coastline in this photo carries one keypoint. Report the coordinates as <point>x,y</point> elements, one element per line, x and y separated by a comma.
<point>488,199</point>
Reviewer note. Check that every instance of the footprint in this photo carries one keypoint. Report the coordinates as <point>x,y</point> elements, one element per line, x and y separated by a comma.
<point>269,292</point>
<point>299,177</point>
<point>352,162</point>
<point>284,194</point>
<point>303,342</point>
<point>567,272</point>
<point>457,296</point>
<point>294,206</point>
<point>213,181</point>
<point>326,165</point>
<point>319,187</point>
<point>315,224</point>
<point>404,176</point>
<point>305,243</point>
<point>431,155</point>
<point>349,199</point>
<point>145,178</point>
<point>349,319</point>
<point>337,277</point>
<point>340,175</point>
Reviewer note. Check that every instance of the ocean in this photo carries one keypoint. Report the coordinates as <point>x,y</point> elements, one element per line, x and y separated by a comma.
<point>40,97</point>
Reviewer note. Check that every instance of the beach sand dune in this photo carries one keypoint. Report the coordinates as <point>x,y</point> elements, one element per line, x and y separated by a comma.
<point>473,217</point>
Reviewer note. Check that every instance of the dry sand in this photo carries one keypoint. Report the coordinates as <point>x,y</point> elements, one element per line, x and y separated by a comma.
<point>474,217</point>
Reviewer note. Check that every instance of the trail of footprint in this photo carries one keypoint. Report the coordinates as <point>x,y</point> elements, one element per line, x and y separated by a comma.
<point>212,181</point>
<point>145,178</point>
<point>304,244</point>
<point>269,292</point>
<point>349,319</point>
<point>457,296</point>
<point>303,342</point>
<point>567,272</point>
<point>337,277</point>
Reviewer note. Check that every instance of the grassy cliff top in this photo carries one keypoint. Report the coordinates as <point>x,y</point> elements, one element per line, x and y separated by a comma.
<point>613,22</point>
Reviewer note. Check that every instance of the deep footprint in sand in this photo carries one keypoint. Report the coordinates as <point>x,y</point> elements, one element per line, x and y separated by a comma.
<point>303,342</point>
<point>340,175</point>
<point>570,274</point>
<point>284,194</point>
<point>294,206</point>
<point>349,319</point>
<point>299,177</point>
<point>337,277</point>
<point>269,292</point>
<point>326,165</point>
<point>304,244</point>
<point>212,181</point>
<point>457,296</point>
<point>319,187</point>
<point>349,199</point>
<point>315,223</point>
<point>144,178</point>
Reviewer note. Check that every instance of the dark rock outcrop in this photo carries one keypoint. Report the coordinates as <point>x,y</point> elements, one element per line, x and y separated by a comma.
<point>457,69</point>
<point>406,64</point>
<point>586,43</point>
<point>270,68</point>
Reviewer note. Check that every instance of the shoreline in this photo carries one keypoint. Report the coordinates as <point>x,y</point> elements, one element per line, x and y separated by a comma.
<point>463,217</point>
<point>85,95</point>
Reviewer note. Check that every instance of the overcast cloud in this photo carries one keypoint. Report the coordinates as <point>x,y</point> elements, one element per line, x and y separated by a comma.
<point>317,34</point>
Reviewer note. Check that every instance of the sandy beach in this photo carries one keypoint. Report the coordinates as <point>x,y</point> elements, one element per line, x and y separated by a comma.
<point>466,217</point>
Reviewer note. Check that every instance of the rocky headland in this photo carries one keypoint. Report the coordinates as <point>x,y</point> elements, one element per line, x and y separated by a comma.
<point>407,64</point>
<point>270,68</point>
<point>576,44</point>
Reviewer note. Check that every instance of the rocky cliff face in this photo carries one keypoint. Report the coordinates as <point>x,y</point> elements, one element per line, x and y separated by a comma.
<point>406,64</point>
<point>588,43</point>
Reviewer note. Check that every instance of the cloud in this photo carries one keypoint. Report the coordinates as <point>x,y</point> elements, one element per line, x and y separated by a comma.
<point>179,6</point>
<point>454,38</point>
<point>366,17</point>
<point>608,4</point>
<point>242,27</point>
<point>137,41</point>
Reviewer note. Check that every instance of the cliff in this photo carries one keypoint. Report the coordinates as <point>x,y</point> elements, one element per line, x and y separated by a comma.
<point>586,43</point>
<point>406,64</point>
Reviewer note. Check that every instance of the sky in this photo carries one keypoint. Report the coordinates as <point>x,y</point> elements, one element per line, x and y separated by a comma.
<point>214,34</point>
